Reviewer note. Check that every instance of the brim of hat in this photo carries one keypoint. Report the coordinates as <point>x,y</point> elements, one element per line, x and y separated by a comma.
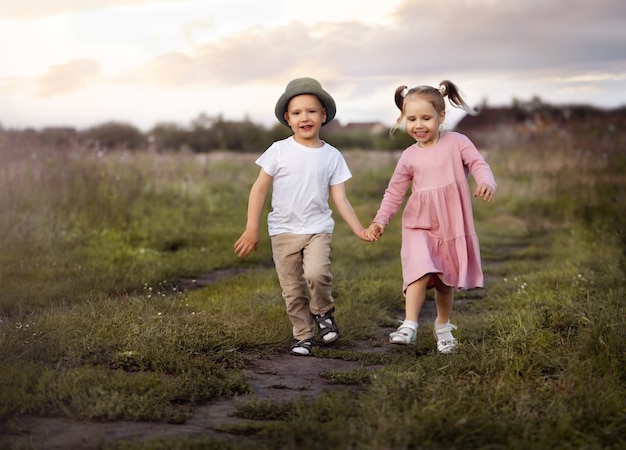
<point>325,98</point>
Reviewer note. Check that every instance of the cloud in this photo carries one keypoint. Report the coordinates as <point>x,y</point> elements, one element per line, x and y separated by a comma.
<point>69,77</point>
<point>425,40</point>
<point>503,36</point>
<point>251,56</point>
<point>235,56</point>
<point>35,9</point>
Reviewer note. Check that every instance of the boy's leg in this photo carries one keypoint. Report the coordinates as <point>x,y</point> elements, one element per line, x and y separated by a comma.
<point>319,280</point>
<point>287,254</point>
<point>316,268</point>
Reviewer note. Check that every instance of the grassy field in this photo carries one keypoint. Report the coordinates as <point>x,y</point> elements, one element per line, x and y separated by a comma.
<point>94,325</point>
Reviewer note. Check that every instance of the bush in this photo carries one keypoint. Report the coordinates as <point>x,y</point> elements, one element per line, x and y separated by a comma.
<point>114,135</point>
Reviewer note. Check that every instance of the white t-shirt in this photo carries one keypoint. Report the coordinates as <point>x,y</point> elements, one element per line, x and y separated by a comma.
<point>301,178</point>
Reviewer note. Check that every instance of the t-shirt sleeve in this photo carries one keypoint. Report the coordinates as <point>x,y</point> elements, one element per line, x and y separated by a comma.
<point>268,161</point>
<point>341,172</point>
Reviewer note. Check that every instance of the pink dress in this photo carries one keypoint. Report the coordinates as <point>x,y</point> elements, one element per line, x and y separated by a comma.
<point>438,234</point>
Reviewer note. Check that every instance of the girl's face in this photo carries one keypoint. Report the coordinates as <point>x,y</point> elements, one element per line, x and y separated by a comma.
<point>305,115</point>
<point>422,121</point>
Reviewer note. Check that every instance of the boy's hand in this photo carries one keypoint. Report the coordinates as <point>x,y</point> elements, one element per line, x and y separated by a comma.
<point>364,235</point>
<point>248,241</point>
<point>485,191</point>
<point>375,230</point>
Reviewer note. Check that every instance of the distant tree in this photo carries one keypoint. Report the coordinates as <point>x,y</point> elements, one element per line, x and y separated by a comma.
<point>168,137</point>
<point>215,133</point>
<point>399,140</point>
<point>349,139</point>
<point>58,137</point>
<point>201,138</point>
<point>240,136</point>
<point>276,133</point>
<point>115,135</point>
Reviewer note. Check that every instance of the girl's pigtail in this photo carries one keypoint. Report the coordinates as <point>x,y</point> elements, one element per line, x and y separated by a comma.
<point>448,88</point>
<point>399,99</point>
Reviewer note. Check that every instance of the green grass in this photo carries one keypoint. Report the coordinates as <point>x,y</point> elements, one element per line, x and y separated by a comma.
<point>93,325</point>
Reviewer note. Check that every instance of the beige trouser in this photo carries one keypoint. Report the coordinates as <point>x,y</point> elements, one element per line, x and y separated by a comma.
<point>303,260</point>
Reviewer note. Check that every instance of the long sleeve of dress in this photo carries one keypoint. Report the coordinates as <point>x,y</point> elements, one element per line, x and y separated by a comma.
<point>395,192</point>
<point>475,163</point>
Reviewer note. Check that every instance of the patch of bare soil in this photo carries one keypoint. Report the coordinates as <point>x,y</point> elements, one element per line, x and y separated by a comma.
<point>281,378</point>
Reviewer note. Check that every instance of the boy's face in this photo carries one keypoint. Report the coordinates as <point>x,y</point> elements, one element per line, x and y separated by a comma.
<point>305,115</point>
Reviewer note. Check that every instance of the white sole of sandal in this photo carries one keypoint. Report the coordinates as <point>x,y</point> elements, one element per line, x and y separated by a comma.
<point>445,345</point>
<point>403,336</point>
<point>327,327</point>
<point>302,348</point>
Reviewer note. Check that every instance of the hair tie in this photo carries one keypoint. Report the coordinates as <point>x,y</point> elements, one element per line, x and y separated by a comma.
<point>404,92</point>
<point>442,89</point>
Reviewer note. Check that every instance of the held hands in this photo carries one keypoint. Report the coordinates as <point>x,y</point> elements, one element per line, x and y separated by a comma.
<point>248,241</point>
<point>485,191</point>
<point>375,231</point>
<point>365,235</point>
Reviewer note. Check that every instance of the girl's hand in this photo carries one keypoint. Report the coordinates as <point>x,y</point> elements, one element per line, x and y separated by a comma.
<point>376,230</point>
<point>485,191</point>
<point>364,235</point>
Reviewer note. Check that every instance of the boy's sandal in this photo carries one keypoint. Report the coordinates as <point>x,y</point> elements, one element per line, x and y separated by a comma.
<point>302,347</point>
<point>445,345</point>
<point>404,335</point>
<point>326,326</point>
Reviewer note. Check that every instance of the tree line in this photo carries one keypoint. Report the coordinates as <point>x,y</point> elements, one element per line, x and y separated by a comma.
<point>204,134</point>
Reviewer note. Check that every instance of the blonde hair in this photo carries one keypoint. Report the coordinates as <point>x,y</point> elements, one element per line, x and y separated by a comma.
<point>433,95</point>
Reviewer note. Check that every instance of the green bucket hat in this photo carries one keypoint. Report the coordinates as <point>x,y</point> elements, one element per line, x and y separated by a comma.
<point>301,86</point>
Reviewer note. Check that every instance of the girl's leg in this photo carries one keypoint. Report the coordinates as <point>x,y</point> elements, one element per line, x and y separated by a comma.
<point>444,297</point>
<point>415,296</point>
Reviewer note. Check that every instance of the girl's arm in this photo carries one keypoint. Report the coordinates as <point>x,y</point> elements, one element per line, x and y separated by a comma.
<point>344,207</point>
<point>480,170</point>
<point>394,194</point>
<point>249,240</point>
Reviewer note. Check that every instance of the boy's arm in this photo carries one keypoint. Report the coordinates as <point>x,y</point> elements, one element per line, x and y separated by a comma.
<point>249,240</point>
<point>344,207</point>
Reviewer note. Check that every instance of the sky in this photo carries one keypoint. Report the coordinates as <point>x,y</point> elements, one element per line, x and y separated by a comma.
<point>81,63</point>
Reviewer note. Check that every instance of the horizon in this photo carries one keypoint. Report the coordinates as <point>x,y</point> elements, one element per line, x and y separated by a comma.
<point>145,62</point>
<point>341,122</point>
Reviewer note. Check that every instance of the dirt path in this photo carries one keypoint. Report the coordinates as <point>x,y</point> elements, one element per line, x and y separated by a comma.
<point>281,378</point>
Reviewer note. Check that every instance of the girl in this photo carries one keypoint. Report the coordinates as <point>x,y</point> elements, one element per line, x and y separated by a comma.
<point>439,243</point>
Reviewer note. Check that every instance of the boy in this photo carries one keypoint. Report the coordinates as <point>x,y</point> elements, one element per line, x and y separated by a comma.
<point>302,171</point>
